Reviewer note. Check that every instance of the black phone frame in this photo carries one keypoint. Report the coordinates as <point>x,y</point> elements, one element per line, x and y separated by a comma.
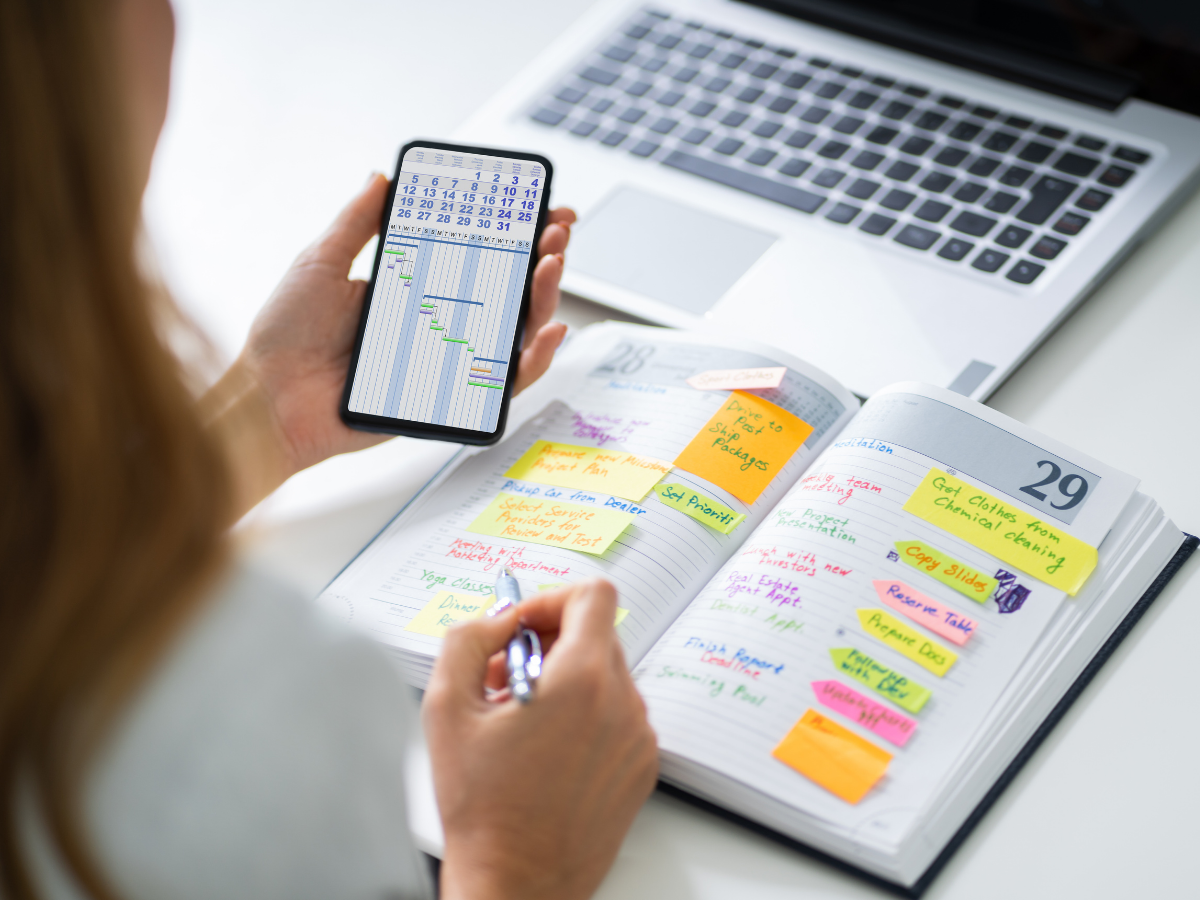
<point>427,430</point>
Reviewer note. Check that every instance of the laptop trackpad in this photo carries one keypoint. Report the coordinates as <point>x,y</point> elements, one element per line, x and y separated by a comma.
<point>667,251</point>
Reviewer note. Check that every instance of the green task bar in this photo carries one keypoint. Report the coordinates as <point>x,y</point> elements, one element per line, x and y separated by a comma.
<point>428,306</point>
<point>395,252</point>
<point>437,328</point>
<point>494,387</point>
<point>454,340</point>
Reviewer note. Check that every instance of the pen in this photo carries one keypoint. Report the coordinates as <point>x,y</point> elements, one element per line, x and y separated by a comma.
<point>523,658</point>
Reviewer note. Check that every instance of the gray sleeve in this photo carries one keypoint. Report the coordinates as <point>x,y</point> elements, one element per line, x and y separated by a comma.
<point>264,759</point>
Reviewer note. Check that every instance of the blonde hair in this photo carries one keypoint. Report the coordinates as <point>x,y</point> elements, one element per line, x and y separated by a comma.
<point>113,499</point>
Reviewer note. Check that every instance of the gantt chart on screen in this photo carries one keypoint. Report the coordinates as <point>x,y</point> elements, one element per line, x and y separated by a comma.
<point>448,290</point>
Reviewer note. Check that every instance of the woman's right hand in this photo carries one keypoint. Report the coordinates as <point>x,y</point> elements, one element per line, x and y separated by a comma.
<point>536,799</point>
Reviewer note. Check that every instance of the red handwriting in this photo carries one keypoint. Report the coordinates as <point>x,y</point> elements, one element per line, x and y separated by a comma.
<point>490,557</point>
<point>844,488</point>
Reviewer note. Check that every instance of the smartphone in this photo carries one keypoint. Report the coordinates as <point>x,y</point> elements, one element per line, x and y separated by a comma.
<point>442,324</point>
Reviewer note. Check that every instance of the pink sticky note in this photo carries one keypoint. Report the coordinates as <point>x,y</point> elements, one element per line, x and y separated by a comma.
<point>738,379</point>
<point>937,617</point>
<point>887,723</point>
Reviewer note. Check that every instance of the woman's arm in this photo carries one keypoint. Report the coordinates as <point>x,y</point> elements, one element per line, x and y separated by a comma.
<point>275,411</point>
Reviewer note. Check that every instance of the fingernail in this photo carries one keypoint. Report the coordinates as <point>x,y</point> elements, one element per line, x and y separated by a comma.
<point>375,173</point>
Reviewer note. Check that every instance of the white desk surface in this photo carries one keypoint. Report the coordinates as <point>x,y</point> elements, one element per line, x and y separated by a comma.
<point>279,112</point>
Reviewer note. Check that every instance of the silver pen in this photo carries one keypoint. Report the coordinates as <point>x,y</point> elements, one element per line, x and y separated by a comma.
<point>523,658</point>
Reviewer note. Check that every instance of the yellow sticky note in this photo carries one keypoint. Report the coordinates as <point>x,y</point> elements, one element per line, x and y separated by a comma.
<point>621,614</point>
<point>1021,539</point>
<point>589,469</point>
<point>446,609</point>
<point>703,509</point>
<point>744,445</point>
<point>834,757</point>
<point>968,581</point>
<point>891,632</point>
<point>588,529</point>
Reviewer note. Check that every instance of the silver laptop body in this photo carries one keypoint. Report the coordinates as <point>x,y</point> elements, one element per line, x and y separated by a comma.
<point>879,213</point>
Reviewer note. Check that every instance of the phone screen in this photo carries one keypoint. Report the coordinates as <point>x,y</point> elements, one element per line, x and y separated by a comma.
<point>438,343</point>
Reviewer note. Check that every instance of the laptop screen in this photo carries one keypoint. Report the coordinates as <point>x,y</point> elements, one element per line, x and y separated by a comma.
<point>1099,51</point>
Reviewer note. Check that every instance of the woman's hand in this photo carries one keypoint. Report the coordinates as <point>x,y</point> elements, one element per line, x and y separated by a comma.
<point>536,799</point>
<point>298,352</point>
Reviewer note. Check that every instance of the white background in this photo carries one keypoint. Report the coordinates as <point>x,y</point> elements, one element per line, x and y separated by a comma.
<point>280,110</point>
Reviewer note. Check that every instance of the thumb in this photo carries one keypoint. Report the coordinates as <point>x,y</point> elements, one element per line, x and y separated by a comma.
<point>356,224</point>
<point>462,666</point>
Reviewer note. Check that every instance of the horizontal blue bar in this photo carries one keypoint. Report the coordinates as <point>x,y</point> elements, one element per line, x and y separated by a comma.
<point>398,244</point>
<point>503,362</point>
<point>452,299</point>
<point>475,377</point>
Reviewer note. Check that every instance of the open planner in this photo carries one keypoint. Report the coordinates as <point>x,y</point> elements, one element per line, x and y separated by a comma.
<point>850,621</point>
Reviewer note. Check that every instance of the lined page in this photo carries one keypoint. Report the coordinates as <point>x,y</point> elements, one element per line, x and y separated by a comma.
<point>734,673</point>
<point>620,388</point>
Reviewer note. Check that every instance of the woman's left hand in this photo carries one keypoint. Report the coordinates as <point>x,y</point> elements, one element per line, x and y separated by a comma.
<point>299,347</point>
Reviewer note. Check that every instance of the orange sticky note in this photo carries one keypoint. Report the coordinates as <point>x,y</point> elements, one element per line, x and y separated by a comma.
<point>834,757</point>
<point>744,445</point>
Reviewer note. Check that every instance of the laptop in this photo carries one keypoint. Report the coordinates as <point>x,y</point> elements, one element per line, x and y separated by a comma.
<point>890,189</point>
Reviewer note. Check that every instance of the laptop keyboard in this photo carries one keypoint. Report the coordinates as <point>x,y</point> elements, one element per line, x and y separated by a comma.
<point>939,174</point>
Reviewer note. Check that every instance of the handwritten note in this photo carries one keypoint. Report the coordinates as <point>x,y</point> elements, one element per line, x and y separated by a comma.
<point>744,445</point>
<point>1019,538</point>
<point>589,469</point>
<point>891,632</point>
<point>738,379</point>
<point>887,683</point>
<point>584,528</point>
<point>889,725</point>
<point>446,609</point>
<point>945,568</point>
<point>834,757</point>
<point>937,617</point>
<point>703,509</point>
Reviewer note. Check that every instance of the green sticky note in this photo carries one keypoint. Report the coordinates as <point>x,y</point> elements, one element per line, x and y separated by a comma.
<point>967,580</point>
<point>699,507</point>
<point>879,678</point>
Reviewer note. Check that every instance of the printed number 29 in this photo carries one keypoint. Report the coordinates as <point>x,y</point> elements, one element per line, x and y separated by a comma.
<point>1073,487</point>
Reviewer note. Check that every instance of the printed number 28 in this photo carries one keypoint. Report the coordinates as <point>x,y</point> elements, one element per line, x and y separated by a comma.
<point>1073,487</point>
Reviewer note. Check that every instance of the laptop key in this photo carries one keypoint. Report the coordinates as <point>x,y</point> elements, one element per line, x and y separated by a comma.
<point>632,115</point>
<point>781,104</point>
<point>896,110</point>
<point>882,135</point>
<point>1000,141</point>
<point>932,211</point>
<point>965,131</point>
<point>876,224</point>
<point>842,213</point>
<point>1015,176</point>
<point>670,98</point>
<point>669,41</point>
<point>764,70</point>
<point>1129,154</point>
<point>700,51</point>
<point>1047,247</point>
<point>1071,224</point>
<point>952,102</point>
<point>1076,164</point>
<point>729,146</point>
<point>985,112</point>
<point>897,200</point>
<point>970,192</point>
<point>984,166</point>
<point>916,146</point>
<point>973,224</point>
<point>862,189</point>
<point>583,129</point>
<point>654,65</point>
<point>1053,132</point>
<point>702,108</point>
<point>902,171</point>
<point>1115,176</point>
<point>815,114</point>
<point>847,125</point>
<point>697,136</point>
<point>863,100</point>
<point>750,94</point>
<point>768,189</point>
<point>767,129</point>
<point>917,237</point>
<point>989,260</point>
<point>1048,194</point>
<point>936,182</point>
<point>955,249</point>
<point>732,61</point>
<point>686,74</point>
<point>613,138</point>
<point>950,156</point>
<point>1090,143</point>
<point>1093,200</point>
<point>618,53</point>
<point>761,156</point>
<point>830,89</point>
<point>548,117</point>
<point>1018,123</point>
<point>663,126</point>
<point>833,150</point>
<point>637,32</point>
<point>734,118</point>
<point>828,177</point>
<point>644,148</point>
<point>1035,152</point>
<point>800,139</point>
<point>638,88</point>
<point>796,80</point>
<point>1024,272</point>
<point>867,159</point>
<point>1012,236</point>
<point>794,168</point>
<point>717,84</point>
<point>570,95</point>
<point>598,75</point>
<point>1001,202</point>
<point>930,120</point>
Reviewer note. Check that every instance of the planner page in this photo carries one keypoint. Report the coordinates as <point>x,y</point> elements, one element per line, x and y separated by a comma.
<point>586,488</point>
<point>842,659</point>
